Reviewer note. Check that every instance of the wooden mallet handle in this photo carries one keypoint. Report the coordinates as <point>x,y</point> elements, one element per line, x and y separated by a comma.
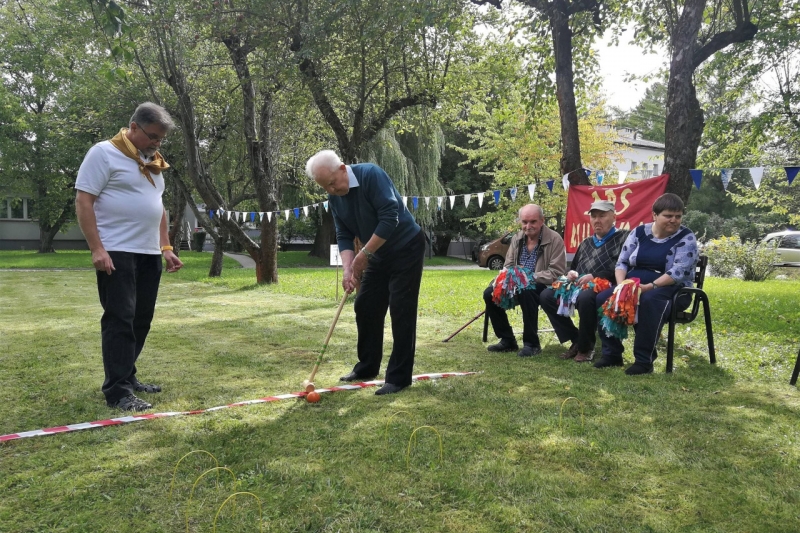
<point>328,338</point>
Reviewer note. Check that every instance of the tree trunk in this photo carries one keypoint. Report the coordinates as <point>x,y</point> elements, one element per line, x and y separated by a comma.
<point>220,239</point>
<point>684,123</point>
<point>177,208</point>
<point>326,235</point>
<point>46,236</point>
<point>565,92</point>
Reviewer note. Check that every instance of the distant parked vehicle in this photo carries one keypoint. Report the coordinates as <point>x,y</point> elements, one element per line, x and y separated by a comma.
<point>492,255</point>
<point>788,246</point>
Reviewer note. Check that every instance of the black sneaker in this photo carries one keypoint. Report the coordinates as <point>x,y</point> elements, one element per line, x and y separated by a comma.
<point>639,368</point>
<point>529,351</point>
<point>505,345</point>
<point>131,403</point>
<point>388,388</point>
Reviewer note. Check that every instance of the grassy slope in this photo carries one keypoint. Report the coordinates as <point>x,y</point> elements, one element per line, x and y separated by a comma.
<point>706,449</point>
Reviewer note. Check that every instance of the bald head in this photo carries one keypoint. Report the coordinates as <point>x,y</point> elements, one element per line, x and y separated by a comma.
<point>531,220</point>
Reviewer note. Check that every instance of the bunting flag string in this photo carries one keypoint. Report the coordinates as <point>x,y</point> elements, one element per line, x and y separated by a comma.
<point>756,173</point>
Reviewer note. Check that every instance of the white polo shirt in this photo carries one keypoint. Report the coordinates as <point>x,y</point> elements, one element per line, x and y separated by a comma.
<point>128,208</point>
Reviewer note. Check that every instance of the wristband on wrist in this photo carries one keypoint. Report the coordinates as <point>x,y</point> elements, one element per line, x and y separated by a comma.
<point>653,283</point>
<point>367,253</point>
<point>165,248</point>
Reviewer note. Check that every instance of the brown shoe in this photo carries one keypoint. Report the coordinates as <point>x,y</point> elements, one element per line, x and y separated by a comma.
<point>572,352</point>
<point>583,357</point>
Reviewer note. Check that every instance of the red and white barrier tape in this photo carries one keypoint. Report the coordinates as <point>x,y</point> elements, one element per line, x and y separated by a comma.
<point>137,418</point>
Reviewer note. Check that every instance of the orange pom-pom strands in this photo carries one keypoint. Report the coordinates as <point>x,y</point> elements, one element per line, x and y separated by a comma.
<point>621,309</point>
<point>566,292</point>
<point>510,282</point>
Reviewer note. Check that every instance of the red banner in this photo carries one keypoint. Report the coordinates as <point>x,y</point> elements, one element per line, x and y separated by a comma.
<point>633,202</point>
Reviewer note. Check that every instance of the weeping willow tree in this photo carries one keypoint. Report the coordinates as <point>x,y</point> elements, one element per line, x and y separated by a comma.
<point>412,159</point>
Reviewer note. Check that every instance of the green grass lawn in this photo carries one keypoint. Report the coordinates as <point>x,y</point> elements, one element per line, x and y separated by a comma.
<point>707,449</point>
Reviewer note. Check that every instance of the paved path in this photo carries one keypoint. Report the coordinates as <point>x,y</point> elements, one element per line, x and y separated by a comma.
<point>247,262</point>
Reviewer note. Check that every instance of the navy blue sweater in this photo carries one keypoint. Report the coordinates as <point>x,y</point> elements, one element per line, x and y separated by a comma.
<point>374,207</point>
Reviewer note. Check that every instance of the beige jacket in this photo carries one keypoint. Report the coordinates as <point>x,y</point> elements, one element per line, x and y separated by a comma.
<point>551,261</point>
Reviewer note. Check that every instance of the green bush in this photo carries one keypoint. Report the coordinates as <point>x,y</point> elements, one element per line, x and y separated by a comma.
<point>728,256</point>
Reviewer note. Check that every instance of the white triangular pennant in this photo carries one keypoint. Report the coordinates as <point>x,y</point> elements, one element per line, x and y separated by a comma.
<point>305,210</point>
<point>427,201</point>
<point>269,216</point>
<point>452,200</point>
<point>565,181</point>
<point>531,189</point>
<point>726,174</point>
<point>622,175</point>
<point>439,200</point>
<point>757,173</point>
<point>286,213</point>
<point>261,215</point>
<point>405,201</point>
<point>229,215</point>
<point>480,199</point>
<point>467,198</point>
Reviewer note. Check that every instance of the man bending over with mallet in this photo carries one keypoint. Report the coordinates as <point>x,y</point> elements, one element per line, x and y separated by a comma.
<point>386,272</point>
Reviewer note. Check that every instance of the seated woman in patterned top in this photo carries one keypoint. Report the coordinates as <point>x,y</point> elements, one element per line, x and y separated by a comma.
<point>595,258</point>
<point>663,255</point>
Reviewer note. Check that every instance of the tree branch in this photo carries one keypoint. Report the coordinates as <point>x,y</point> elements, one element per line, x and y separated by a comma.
<point>744,32</point>
<point>394,107</point>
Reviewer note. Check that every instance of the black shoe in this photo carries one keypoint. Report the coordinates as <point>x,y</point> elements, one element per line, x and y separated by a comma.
<point>352,376</point>
<point>131,403</point>
<point>608,361</point>
<point>505,345</point>
<point>138,386</point>
<point>639,368</point>
<point>388,388</point>
<point>529,351</point>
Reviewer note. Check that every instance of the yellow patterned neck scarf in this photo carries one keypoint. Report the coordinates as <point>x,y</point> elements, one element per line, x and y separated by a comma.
<point>124,145</point>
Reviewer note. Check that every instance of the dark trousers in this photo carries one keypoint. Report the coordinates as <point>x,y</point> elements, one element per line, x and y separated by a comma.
<point>586,305</point>
<point>655,307</point>
<point>128,296</point>
<point>390,282</point>
<point>529,302</point>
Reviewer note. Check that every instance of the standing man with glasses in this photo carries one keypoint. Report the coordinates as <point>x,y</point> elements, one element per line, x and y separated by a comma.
<point>541,250</point>
<point>120,211</point>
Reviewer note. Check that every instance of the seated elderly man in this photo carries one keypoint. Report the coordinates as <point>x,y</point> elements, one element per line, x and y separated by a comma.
<point>596,257</point>
<point>541,250</point>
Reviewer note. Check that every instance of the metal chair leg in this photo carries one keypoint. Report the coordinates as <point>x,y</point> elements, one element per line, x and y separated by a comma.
<point>712,354</point>
<point>670,344</point>
<point>485,327</point>
<point>793,381</point>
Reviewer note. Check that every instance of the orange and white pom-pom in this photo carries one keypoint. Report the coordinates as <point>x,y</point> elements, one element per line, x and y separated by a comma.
<point>621,309</point>
<point>510,282</point>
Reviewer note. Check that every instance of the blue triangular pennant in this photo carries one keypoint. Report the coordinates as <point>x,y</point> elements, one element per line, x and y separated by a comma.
<point>791,172</point>
<point>211,214</point>
<point>588,172</point>
<point>726,174</point>
<point>296,212</point>
<point>599,178</point>
<point>697,176</point>
<point>252,217</point>
<point>513,193</point>
<point>496,197</point>
<point>549,184</point>
<point>415,201</point>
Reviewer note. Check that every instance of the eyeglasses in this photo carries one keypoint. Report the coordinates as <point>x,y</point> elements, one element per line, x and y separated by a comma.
<point>151,136</point>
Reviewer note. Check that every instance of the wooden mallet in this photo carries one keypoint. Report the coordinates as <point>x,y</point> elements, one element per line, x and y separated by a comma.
<point>309,383</point>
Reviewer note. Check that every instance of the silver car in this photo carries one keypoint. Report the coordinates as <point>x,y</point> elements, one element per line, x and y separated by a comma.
<point>788,246</point>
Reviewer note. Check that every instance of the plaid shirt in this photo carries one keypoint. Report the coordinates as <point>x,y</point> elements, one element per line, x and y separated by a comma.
<point>528,259</point>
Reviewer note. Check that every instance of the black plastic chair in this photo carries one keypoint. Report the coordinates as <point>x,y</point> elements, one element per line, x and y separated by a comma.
<point>684,317</point>
<point>793,381</point>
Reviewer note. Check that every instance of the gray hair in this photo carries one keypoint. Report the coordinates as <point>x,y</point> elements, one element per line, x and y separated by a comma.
<point>149,113</point>
<point>538,208</point>
<point>325,159</point>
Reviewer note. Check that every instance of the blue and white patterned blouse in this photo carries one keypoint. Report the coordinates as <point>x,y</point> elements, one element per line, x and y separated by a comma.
<point>681,260</point>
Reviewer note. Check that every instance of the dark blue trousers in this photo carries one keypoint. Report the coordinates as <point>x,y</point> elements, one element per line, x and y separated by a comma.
<point>391,282</point>
<point>655,307</point>
<point>128,296</point>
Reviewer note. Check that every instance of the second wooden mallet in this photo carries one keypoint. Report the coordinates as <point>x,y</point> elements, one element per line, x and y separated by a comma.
<point>309,383</point>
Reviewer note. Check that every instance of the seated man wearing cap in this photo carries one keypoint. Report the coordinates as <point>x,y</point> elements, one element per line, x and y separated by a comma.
<point>595,258</point>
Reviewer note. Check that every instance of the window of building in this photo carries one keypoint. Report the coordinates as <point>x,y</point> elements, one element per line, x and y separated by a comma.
<point>16,208</point>
<point>655,169</point>
<point>633,166</point>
